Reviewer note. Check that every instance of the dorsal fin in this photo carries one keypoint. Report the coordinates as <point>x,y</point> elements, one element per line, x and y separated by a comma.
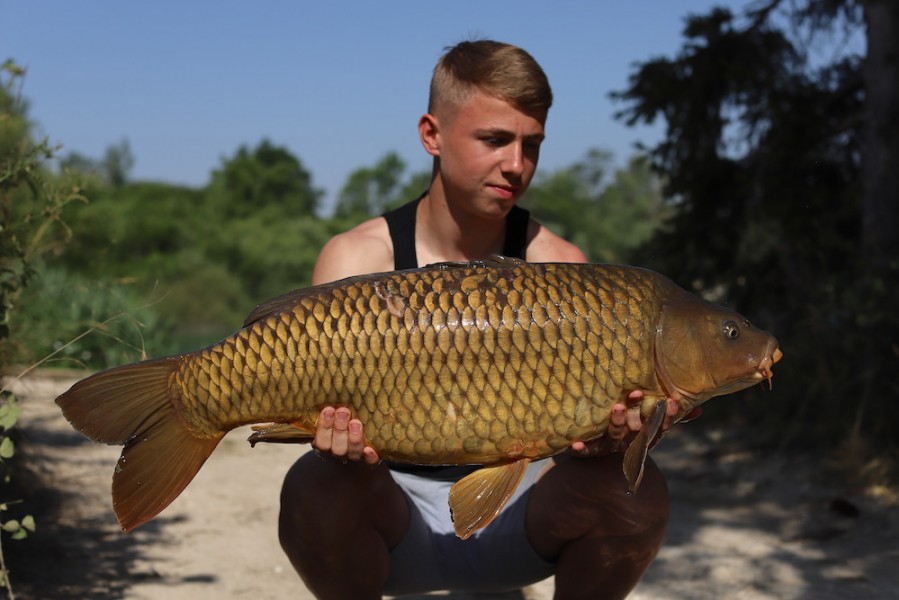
<point>492,261</point>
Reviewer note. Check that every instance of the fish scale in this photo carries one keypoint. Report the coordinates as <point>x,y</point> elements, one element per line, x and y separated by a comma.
<point>492,362</point>
<point>523,352</point>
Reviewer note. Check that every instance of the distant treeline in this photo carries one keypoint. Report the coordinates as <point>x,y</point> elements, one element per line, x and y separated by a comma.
<point>184,266</point>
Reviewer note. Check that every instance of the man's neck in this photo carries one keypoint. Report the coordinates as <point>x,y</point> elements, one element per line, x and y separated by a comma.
<point>444,232</point>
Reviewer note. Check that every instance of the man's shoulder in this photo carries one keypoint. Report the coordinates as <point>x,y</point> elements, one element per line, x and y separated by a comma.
<point>546,246</point>
<point>372,234</point>
<point>366,248</point>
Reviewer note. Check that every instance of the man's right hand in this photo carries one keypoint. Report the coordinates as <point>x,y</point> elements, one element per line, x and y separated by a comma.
<point>340,436</point>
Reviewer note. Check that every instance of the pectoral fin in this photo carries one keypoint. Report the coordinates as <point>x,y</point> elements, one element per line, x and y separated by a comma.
<point>476,499</point>
<point>635,456</point>
<point>281,433</point>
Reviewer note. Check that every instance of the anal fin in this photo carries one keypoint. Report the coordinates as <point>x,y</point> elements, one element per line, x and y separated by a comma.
<point>281,433</point>
<point>635,455</point>
<point>475,500</point>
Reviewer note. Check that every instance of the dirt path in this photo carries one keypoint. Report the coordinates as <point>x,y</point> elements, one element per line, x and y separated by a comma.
<point>744,526</point>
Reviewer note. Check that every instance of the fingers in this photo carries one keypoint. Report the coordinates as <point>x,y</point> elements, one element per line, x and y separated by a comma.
<point>624,422</point>
<point>625,418</point>
<point>670,413</point>
<point>634,401</point>
<point>617,422</point>
<point>370,456</point>
<point>324,429</point>
<point>341,436</point>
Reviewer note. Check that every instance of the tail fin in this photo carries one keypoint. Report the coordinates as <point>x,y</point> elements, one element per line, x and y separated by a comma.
<point>132,405</point>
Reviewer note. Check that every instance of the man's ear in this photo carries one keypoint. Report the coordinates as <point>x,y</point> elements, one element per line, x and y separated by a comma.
<point>429,133</point>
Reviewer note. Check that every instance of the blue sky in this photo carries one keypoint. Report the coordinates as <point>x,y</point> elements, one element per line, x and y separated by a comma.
<point>338,83</point>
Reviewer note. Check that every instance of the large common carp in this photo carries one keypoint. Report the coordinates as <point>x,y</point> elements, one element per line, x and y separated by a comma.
<point>496,363</point>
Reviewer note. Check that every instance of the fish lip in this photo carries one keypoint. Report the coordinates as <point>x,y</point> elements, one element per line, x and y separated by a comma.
<point>772,355</point>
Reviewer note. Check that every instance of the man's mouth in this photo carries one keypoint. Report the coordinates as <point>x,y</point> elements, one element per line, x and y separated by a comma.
<point>504,191</point>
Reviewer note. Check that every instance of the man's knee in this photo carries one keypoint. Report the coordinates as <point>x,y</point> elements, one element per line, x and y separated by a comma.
<point>580,496</point>
<point>651,504</point>
<point>315,489</point>
<point>325,497</point>
<point>298,503</point>
<point>646,510</point>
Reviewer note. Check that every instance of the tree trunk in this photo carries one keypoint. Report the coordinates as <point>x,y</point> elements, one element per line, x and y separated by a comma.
<point>880,225</point>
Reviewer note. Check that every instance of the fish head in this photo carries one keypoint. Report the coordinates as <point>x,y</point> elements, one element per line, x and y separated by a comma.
<point>704,350</point>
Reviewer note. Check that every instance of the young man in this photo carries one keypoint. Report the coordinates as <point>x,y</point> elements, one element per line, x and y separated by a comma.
<point>357,528</point>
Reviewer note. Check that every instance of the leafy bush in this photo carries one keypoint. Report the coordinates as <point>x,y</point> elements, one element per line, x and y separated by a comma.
<point>85,322</point>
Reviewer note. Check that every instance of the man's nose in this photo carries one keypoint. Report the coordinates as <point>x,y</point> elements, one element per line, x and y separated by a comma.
<point>513,159</point>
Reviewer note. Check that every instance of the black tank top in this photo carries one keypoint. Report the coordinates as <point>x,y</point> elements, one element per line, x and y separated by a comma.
<point>401,223</point>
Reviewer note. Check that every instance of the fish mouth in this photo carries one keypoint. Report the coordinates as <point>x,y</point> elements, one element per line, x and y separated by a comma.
<point>772,355</point>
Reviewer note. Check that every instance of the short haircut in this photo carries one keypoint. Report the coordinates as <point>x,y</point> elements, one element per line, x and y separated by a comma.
<point>497,69</point>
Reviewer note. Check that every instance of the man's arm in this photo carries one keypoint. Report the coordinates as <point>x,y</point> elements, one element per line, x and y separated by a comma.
<point>546,246</point>
<point>364,249</point>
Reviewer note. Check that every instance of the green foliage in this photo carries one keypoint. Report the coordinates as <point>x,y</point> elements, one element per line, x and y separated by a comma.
<point>113,170</point>
<point>371,191</point>
<point>183,267</point>
<point>124,231</point>
<point>86,322</point>
<point>763,161</point>
<point>31,204</point>
<point>17,528</point>
<point>272,255</point>
<point>606,219</point>
<point>267,176</point>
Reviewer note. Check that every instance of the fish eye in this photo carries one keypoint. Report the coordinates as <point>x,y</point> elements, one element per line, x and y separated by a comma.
<point>731,330</point>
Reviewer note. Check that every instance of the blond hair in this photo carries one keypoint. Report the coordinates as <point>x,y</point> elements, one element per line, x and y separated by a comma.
<point>497,69</point>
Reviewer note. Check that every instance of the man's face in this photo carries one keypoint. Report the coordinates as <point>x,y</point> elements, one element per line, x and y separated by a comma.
<point>488,153</point>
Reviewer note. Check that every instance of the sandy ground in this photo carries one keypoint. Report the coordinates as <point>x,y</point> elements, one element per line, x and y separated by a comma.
<point>745,525</point>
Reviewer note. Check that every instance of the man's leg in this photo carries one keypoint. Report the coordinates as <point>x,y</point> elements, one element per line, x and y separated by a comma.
<point>338,524</point>
<point>601,539</point>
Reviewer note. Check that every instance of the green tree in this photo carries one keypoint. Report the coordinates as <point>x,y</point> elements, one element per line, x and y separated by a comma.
<point>75,162</point>
<point>117,163</point>
<point>15,162</point>
<point>133,230</point>
<point>30,225</point>
<point>273,256</point>
<point>607,212</point>
<point>764,163</point>
<point>114,169</point>
<point>369,190</point>
<point>31,201</point>
<point>200,259</point>
<point>268,176</point>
